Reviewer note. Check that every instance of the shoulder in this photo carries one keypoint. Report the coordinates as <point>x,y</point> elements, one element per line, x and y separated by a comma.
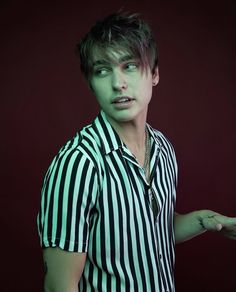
<point>83,143</point>
<point>165,145</point>
<point>167,152</point>
<point>81,152</point>
<point>162,139</point>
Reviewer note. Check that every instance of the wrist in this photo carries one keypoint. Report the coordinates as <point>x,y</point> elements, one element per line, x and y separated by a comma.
<point>203,215</point>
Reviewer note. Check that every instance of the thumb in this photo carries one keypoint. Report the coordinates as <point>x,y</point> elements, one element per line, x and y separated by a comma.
<point>210,223</point>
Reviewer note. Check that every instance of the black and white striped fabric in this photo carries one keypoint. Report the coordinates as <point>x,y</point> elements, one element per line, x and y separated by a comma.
<point>95,199</point>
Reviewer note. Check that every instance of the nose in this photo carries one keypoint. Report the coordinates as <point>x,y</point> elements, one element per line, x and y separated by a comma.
<point>119,81</point>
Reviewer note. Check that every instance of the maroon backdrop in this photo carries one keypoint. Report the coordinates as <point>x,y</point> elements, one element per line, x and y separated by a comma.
<point>44,101</point>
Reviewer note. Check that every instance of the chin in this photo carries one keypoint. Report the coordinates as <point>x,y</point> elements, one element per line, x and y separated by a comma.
<point>120,118</point>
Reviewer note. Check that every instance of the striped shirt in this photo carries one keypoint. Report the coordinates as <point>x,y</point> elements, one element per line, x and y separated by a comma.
<point>96,199</point>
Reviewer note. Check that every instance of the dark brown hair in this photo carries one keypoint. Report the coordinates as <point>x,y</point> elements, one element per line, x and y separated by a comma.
<point>119,31</point>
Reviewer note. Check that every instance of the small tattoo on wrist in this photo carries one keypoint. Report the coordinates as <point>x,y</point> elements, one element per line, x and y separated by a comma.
<point>201,223</point>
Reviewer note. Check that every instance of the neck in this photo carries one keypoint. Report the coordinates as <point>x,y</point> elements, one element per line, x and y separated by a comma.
<point>132,133</point>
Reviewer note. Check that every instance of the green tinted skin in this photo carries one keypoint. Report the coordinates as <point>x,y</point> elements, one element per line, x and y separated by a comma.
<point>122,75</point>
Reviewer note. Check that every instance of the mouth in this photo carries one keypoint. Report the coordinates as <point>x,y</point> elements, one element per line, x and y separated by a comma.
<point>122,100</point>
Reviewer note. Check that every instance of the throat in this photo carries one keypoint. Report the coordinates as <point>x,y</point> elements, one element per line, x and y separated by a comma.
<point>140,157</point>
<point>143,156</point>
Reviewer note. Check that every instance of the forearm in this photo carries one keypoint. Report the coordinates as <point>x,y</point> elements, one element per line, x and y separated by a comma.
<point>190,225</point>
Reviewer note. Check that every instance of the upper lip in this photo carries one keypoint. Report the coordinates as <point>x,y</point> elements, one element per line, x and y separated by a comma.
<point>118,98</point>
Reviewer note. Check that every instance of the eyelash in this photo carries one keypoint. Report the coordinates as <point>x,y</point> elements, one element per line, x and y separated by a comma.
<point>134,66</point>
<point>99,70</point>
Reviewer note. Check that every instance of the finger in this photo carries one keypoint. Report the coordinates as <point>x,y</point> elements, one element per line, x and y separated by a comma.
<point>225,221</point>
<point>210,223</point>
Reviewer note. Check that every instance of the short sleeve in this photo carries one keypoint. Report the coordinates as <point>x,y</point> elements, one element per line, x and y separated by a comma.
<point>69,194</point>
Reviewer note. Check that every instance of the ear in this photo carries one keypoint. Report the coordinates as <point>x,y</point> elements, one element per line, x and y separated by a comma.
<point>155,76</point>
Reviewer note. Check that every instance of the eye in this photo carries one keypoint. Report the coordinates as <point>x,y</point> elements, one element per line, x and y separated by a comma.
<point>101,72</point>
<point>132,66</point>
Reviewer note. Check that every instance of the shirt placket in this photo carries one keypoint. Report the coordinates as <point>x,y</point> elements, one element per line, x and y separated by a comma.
<point>153,202</point>
<point>154,205</point>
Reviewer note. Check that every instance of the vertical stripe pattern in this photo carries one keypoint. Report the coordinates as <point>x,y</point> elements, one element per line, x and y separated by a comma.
<point>95,199</point>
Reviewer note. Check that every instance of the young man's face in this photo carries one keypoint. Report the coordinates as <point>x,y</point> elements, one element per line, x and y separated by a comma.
<point>122,87</point>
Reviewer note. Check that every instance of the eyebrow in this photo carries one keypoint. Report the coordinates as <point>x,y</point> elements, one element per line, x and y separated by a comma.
<point>120,60</point>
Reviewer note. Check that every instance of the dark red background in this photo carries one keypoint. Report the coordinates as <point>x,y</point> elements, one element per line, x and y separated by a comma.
<point>44,101</point>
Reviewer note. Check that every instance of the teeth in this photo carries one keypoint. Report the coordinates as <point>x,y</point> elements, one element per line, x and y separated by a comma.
<point>123,100</point>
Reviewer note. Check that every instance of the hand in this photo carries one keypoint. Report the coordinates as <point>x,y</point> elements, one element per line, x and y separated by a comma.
<point>223,224</point>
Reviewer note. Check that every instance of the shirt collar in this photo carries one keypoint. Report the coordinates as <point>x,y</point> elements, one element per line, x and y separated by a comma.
<point>154,135</point>
<point>110,140</point>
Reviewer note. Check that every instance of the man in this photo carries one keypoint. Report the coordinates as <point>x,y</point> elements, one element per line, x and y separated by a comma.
<point>107,220</point>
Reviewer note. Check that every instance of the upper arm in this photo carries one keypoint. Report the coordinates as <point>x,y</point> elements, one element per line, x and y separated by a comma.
<point>63,269</point>
<point>69,194</point>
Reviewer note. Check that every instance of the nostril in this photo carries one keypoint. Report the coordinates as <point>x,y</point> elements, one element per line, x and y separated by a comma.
<point>120,85</point>
<point>119,81</point>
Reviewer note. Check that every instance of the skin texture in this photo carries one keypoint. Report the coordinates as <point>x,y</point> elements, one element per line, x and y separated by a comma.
<point>192,224</point>
<point>122,76</point>
<point>63,271</point>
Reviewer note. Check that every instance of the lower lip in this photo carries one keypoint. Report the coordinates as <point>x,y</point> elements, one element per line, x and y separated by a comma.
<point>123,105</point>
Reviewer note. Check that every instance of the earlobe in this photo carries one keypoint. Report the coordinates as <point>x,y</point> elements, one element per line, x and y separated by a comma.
<point>155,77</point>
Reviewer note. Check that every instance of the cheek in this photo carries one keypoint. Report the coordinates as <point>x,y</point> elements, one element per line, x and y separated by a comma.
<point>149,95</point>
<point>100,97</point>
<point>146,89</point>
<point>99,88</point>
<point>96,90</point>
